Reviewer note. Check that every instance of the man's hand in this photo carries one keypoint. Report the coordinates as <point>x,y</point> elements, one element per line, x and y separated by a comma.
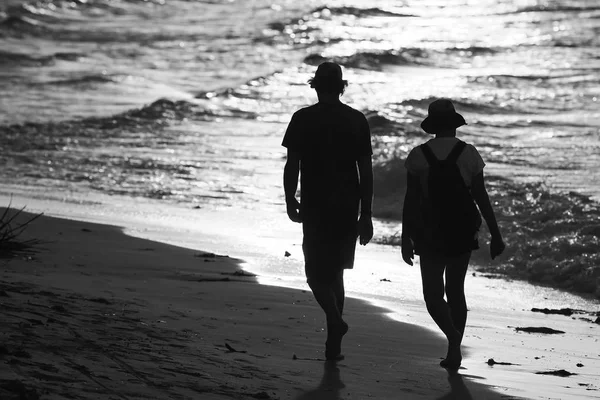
<point>408,251</point>
<point>293,210</point>
<point>365,229</point>
<point>497,246</point>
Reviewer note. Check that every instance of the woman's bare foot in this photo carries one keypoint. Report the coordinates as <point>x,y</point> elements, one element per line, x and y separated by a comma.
<point>454,355</point>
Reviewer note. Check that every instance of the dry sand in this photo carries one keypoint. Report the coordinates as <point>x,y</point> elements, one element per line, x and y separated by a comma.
<point>97,314</point>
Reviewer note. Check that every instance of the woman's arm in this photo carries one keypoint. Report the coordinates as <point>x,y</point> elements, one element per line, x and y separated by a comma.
<point>480,195</point>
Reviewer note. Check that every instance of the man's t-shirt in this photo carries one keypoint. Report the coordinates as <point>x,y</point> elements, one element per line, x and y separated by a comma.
<point>469,162</point>
<point>330,139</point>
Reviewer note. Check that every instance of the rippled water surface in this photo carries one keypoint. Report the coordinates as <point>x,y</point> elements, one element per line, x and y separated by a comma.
<point>186,102</point>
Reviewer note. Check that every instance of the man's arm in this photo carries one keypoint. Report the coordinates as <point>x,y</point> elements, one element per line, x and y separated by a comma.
<point>291,172</point>
<point>410,207</point>
<point>483,201</point>
<point>365,224</point>
<point>365,171</point>
<point>411,203</point>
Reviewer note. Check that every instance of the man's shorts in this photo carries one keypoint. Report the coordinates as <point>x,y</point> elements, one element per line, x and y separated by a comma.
<point>329,247</point>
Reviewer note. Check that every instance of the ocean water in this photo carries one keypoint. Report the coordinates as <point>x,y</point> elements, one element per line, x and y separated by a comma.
<point>173,111</point>
<point>186,102</point>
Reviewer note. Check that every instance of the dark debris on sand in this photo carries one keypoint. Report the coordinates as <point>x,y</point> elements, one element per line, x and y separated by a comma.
<point>239,272</point>
<point>230,349</point>
<point>210,255</point>
<point>558,372</point>
<point>567,312</point>
<point>541,329</point>
<point>562,311</point>
<point>493,362</point>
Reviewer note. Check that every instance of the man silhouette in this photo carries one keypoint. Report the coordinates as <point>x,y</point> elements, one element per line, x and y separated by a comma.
<point>329,146</point>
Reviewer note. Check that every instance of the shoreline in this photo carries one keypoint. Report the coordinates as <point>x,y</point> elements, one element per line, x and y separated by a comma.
<point>87,322</point>
<point>489,333</point>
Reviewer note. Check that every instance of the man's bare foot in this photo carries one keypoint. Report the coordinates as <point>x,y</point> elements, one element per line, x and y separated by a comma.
<point>339,357</point>
<point>450,364</point>
<point>333,346</point>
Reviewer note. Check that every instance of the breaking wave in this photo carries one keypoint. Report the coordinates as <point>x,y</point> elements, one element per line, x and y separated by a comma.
<point>360,12</point>
<point>373,60</point>
<point>552,239</point>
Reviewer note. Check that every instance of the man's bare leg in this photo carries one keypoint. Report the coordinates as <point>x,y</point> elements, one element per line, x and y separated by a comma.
<point>340,292</point>
<point>336,327</point>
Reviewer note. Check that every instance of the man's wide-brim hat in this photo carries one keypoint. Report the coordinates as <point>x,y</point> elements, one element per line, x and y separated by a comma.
<point>328,73</point>
<point>441,115</point>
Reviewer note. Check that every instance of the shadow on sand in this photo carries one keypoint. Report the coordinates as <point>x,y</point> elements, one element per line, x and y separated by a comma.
<point>330,386</point>
<point>458,389</point>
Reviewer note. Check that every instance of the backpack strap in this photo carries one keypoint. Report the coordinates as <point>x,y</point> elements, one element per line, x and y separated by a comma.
<point>428,153</point>
<point>452,156</point>
<point>456,151</point>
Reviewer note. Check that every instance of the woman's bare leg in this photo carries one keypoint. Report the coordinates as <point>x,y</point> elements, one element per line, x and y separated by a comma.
<point>456,271</point>
<point>432,275</point>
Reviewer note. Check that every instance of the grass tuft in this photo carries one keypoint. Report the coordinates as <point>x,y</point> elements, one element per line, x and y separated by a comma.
<point>11,227</point>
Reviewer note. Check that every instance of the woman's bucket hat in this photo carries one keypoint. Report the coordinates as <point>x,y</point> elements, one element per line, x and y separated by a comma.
<point>441,115</point>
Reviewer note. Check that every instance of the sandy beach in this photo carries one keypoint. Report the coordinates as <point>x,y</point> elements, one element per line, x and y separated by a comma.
<point>95,313</point>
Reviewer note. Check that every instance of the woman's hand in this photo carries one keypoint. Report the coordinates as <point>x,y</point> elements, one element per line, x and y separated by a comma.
<point>408,250</point>
<point>497,246</point>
